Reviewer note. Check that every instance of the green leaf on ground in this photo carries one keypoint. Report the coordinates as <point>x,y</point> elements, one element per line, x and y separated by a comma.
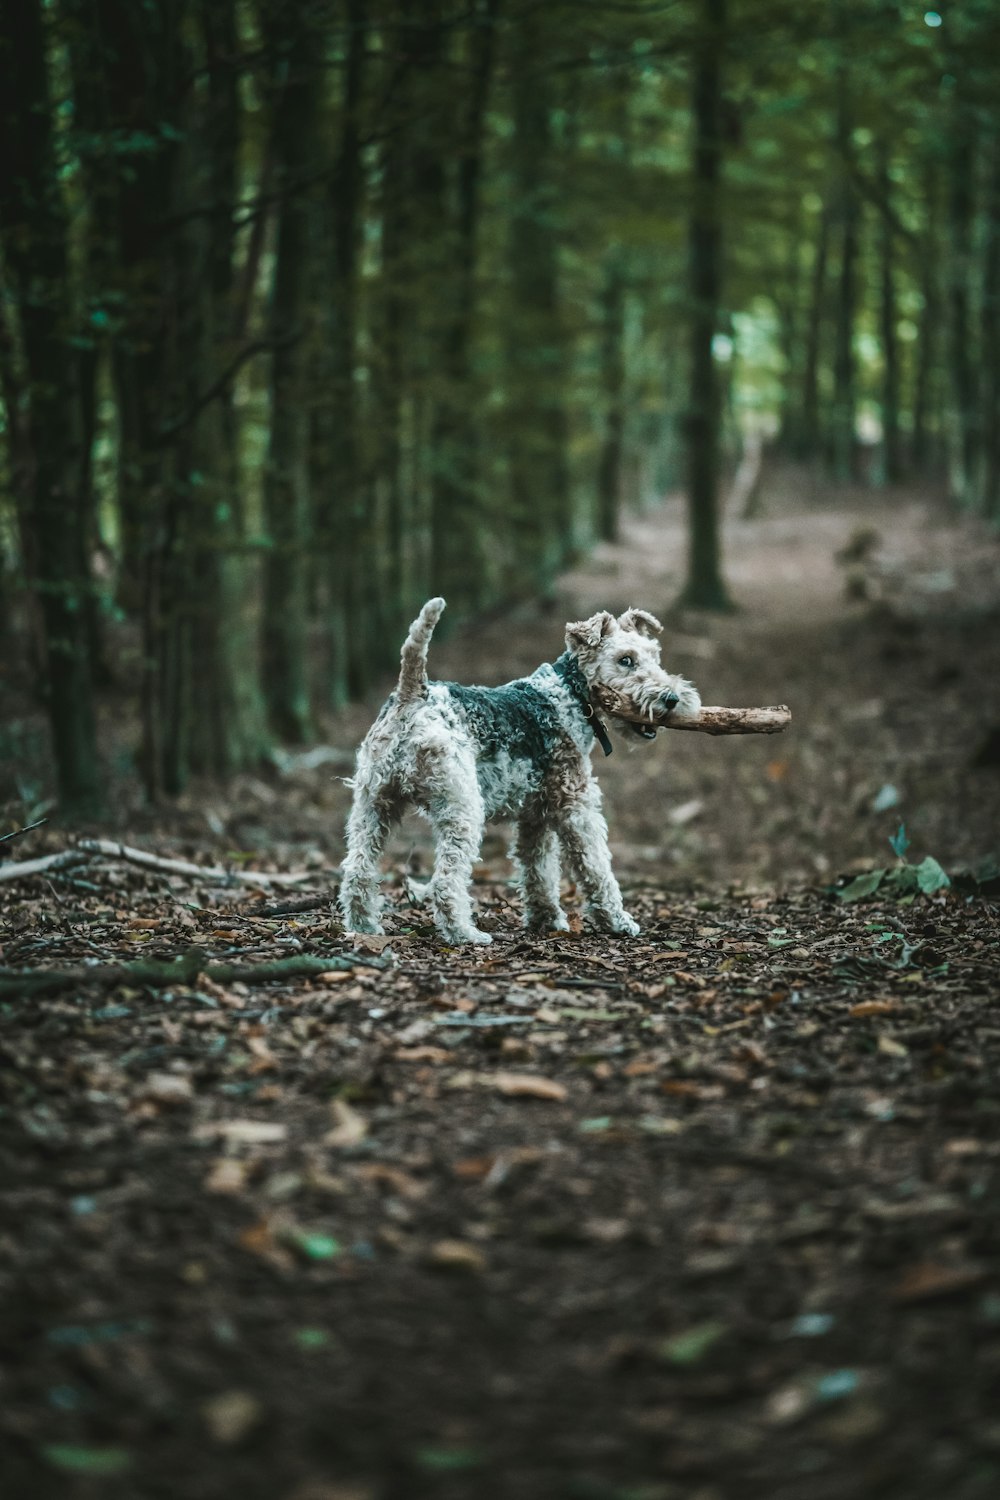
<point>77,1458</point>
<point>448,1460</point>
<point>693,1344</point>
<point>861,886</point>
<point>931,877</point>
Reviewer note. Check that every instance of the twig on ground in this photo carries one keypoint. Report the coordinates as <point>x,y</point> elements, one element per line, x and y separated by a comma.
<point>6,837</point>
<point>108,849</point>
<point>288,908</point>
<point>708,720</point>
<point>185,969</point>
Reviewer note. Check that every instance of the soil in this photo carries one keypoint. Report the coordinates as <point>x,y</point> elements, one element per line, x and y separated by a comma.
<point>705,1215</point>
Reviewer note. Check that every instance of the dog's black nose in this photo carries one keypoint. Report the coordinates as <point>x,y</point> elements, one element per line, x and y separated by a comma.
<point>668,701</point>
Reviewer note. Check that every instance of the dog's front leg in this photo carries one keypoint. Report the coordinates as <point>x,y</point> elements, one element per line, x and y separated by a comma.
<point>584,836</point>
<point>536,850</point>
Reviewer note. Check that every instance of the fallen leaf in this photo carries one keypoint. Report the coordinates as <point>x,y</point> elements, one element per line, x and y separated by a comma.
<point>928,1279</point>
<point>171,1089</point>
<point>456,1255</point>
<point>243,1132</point>
<point>231,1416</point>
<point>228,1175</point>
<point>874,1008</point>
<point>693,1344</point>
<point>527,1086</point>
<point>349,1126</point>
<point>80,1458</point>
<point>422,1054</point>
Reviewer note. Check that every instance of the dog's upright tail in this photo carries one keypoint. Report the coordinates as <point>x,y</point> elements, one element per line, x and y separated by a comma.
<point>413,657</point>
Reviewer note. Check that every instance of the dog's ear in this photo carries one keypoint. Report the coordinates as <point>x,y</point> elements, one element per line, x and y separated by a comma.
<point>642,621</point>
<point>585,635</point>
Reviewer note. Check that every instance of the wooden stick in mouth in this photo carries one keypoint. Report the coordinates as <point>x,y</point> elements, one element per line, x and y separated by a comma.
<point>707,720</point>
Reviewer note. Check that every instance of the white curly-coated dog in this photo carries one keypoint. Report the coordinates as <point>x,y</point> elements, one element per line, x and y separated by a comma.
<point>462,755</point>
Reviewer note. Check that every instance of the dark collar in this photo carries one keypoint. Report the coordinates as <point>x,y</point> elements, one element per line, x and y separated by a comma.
<point>568,668</point>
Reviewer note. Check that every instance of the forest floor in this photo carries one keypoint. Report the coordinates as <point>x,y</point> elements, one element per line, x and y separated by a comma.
<point>711,1214</point>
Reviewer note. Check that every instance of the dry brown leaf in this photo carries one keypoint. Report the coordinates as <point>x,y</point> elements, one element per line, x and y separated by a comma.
<point>527,1086</point>
<point>170,1089</point>
<point>228,1175</point>
<point>456,1255</point>
<point>231,1416</point>
<point>422,1054</point>
<point>243,1132</point>
<point>928,1279</point>
<point>874,1008</point>
<point>349,1127</point>
<point>393,1177</point>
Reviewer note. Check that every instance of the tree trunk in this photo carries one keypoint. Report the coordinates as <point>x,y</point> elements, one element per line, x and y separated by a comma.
<point>536,349</point>
<point>892,464</point>
<point>612,455</point>
<point>843,414</point>
<point>991,341</point>
<point>34,240</point>
<point>926,432</point>
<point>335,470</point>
<point>457,534</point>
<point>286,478</point>
<point>705,588</point>
<point>964,404</point>
<point>810,439</point>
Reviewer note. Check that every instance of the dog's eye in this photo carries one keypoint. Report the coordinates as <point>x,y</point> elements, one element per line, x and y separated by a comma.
<point>625,661</point>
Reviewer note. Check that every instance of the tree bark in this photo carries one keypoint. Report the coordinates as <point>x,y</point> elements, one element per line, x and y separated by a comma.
<point>536,346</point>
<point>610,464</point>
<point>705,588</point>
<point>335,471</point>
<point>287,509</point>
<point>34,234</point>
<point>926,432</point>
<point>843,414</point>
<point>892,463</point>
<point>991,341</point>
<point>458,542</point>
<point>964,404</point>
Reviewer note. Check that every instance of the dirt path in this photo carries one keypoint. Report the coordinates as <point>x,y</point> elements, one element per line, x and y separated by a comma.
<point>708,1215</point>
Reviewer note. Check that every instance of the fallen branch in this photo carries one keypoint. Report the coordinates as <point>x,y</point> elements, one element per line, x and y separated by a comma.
<point>185,970</point>
<point>708,720</point>
<point>108,849</point>
<point>5,838</point>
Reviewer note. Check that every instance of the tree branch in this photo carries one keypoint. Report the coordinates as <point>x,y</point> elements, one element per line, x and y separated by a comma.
<point>707,720</point>
<point>183,970</point>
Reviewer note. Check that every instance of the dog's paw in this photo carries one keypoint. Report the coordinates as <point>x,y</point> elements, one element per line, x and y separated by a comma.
<point>357,922</point>
<point>467,935</point>
<point>624,926</point>
<point>546,921</point>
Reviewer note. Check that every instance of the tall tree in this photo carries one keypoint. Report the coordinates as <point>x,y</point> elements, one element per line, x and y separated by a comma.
<point>536,336</point>
<point>705,588</point>
<point>296,43</point>
<point>34,242</point>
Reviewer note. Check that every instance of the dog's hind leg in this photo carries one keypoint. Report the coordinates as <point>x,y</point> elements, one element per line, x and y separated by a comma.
<point>536,850</point>
<point>368,827</point>
<point>458,833</point>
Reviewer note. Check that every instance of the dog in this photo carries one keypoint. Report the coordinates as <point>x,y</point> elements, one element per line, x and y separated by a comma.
<point>462,755</point>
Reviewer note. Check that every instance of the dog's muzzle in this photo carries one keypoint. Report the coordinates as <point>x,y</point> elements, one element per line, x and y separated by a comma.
<point>665,704</point>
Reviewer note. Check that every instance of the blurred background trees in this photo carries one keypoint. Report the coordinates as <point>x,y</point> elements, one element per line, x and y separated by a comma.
<point>311,308</point>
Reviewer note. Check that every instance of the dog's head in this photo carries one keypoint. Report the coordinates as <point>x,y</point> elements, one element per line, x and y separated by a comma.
<point>620,661</point>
